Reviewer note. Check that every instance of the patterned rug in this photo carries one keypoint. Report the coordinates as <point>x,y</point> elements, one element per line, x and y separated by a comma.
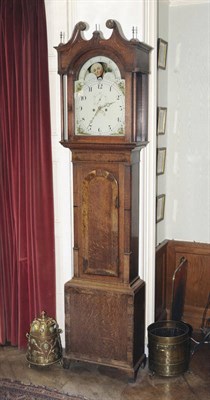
<point>13,390</point>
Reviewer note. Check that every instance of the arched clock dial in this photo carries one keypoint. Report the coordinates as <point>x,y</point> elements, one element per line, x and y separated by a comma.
<point>99,99</point>
<point>108,66</point>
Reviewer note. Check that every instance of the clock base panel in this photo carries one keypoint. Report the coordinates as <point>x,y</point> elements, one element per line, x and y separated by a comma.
<point>105,325</point>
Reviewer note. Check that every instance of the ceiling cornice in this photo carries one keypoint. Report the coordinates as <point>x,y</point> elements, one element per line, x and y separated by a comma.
<point>178,3</point>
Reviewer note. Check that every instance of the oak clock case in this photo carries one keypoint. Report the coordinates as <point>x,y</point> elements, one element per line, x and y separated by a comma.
<point>104,103</point>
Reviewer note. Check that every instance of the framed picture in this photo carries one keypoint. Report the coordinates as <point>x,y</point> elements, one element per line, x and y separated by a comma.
<point>161,120</point>
<point>160,207</point>
<point>161,160</point>
<point>162,53</point>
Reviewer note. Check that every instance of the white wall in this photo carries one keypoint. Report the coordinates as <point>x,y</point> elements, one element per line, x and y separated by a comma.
<point>162,101</point>
<point>188,158</point>
<point>62,15</point>
<point>186,182</point>
<point>58,21</point>
<point>97,12</point>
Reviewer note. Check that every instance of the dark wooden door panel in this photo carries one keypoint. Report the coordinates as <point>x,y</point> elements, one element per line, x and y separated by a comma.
<point>100,226</point>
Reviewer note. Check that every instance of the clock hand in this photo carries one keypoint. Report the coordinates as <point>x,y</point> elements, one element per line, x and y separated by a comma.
<point>92,119</point>
<point>108,104</point>
<point>99,109</point>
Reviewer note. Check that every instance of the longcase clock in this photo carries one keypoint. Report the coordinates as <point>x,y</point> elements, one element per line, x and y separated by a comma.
<point>104,103</point>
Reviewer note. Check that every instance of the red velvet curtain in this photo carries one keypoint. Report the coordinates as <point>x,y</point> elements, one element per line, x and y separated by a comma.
<point>27,259</point>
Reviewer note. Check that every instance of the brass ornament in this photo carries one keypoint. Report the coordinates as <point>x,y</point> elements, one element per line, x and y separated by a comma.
<point>44,343</point>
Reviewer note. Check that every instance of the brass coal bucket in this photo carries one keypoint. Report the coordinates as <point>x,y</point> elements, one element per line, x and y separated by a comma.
<point>169,347</point>
<point>44,343</point>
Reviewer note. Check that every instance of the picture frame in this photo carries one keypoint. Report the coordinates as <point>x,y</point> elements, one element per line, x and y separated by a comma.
<point>162,53</point>
<point>161,120</point>
<point>161,160</point>
<point>160,207</point>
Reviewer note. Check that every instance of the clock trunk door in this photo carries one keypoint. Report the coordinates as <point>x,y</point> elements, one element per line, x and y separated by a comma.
<point>99,221</point>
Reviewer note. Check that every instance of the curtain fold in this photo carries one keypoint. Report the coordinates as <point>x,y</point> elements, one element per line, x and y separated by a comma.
<point>27,257</point>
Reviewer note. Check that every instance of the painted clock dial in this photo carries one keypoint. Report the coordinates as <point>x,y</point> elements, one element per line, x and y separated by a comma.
<point>99,95</point>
